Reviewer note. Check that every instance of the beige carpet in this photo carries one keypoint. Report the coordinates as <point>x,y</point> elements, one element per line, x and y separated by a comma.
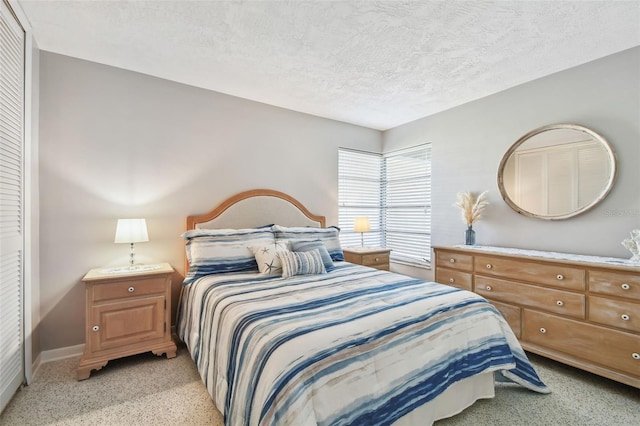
<point>148,390</point>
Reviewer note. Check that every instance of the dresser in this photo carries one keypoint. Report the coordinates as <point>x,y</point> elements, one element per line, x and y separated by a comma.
<point>373,257</point>
<point>126,312</point>
<point>583,311</point>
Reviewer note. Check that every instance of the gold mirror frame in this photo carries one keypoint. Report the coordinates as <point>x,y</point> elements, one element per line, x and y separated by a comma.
<point>564,127</point>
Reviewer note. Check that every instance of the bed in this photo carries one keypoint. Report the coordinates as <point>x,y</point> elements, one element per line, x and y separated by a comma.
<point>283,331</point>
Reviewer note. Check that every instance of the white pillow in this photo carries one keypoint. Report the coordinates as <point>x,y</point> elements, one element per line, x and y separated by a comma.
<point>330,237</point>
<point>267,258</point>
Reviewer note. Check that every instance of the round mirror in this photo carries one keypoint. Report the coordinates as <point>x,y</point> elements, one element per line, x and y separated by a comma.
<point>557,171</point>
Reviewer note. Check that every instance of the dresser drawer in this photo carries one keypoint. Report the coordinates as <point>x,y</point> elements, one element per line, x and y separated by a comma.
<point>612,349</point>
<point>615,283</point>
<point>546,299</point>
<point>454,278</point>
<point>558,276</point>
<point>449,259</point>
<point>615,313</point>
<point>128,288</point>
<point>513,316</point>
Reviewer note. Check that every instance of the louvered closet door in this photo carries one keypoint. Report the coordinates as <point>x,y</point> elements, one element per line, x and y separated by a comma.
<point>11,204</point>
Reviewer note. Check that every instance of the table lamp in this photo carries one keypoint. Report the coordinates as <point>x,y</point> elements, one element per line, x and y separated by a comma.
<point>131,231</point>
<point>361,224</point>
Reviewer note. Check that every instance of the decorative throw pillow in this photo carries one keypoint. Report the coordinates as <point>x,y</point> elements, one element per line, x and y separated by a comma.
<point>301,263</point>
<point>267,258</point>
<point>304,246</point>
<point>213,251</point>
<point>329,236</point>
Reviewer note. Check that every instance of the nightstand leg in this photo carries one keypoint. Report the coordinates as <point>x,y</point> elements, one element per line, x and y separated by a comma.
<point>84,370</point>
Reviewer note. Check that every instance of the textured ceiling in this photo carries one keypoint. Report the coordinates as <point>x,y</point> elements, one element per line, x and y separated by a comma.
<point>378,64</point>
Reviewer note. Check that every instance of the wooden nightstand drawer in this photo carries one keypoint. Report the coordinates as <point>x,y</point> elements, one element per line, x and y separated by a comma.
<point>368,256</point>
<point>129,288</point>
<point>376,259</point>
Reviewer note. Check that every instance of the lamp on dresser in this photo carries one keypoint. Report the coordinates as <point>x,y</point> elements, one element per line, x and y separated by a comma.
<point>131,231</point>
<point>361,225</point>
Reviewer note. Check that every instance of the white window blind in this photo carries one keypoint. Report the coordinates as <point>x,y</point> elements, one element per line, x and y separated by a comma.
<point>11,204</point>
<point>359,194</point>
<point>406,204</point>
<point>394,191</point>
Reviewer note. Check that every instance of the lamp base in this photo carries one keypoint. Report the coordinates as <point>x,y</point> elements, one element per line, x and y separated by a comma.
<point>132,257</point>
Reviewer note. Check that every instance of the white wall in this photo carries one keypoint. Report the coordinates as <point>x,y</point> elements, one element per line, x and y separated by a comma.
<point>114,144</point>
<point>117,144</point>
<point>469,142</point>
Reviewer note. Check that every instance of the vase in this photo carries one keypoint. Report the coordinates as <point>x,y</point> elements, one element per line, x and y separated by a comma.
<point>470,236</point>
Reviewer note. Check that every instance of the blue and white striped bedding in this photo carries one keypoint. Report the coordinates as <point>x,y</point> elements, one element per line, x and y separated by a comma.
<point>353,346</point>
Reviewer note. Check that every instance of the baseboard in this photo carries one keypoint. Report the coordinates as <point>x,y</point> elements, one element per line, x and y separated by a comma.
<point>61,353</point>
<point>55,355</point>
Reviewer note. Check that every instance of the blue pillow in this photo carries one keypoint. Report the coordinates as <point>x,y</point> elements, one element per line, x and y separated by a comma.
<point>214,251</point>
<point>330,237</point>
<point>304,246</point>
<point>301,263</point>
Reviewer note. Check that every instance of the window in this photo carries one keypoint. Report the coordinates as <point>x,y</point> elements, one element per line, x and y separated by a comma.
<point>394,191</point>
<point>359,194</point>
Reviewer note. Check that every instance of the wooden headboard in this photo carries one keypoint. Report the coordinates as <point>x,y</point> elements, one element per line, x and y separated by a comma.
<point>257,207</point>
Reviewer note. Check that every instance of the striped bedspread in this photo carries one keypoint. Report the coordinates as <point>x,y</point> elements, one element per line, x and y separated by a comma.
<point>354,346</point>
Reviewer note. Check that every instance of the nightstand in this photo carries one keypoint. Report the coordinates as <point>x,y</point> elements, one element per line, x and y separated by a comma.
<point>127,312</point>
<point>373,257</point>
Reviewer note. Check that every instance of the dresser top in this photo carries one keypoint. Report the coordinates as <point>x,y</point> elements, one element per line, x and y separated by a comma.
<point>579,258</point>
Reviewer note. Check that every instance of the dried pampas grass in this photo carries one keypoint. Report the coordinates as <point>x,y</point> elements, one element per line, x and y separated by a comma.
<point>471,206</point>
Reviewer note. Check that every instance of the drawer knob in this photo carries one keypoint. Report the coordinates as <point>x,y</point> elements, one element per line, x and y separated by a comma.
<point>489,266</point>
<point>560,303</point>
<point>625,317</point>
<point>95,328</point>
<point>635,355</point>
<point>543,330</point>
<point>451,280</point>
<point>560,277</point>
<point>452,260</point>
<point>377,259</point>
<point>625,286</point>
<point>131,289</point>
<point>488,288</point>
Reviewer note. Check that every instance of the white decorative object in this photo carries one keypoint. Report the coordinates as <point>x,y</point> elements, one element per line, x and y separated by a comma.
<point>633,245</point>
<point>471,209</point>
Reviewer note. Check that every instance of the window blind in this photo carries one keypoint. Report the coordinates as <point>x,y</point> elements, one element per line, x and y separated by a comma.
<point>359,194</point>
<point>394,191</point>
<point>407,204</point>
<point>11,204</point>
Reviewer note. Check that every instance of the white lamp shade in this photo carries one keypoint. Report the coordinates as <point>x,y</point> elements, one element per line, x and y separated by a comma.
<point>361,224</point>
<point>131,231</point>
